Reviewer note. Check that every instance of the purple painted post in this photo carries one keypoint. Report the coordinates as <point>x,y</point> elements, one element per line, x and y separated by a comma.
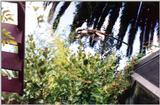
<point>13,61</point>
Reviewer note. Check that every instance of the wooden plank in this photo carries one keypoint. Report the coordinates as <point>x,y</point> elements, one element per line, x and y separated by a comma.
<point>150,70</point>
<point>147,58</point>
<point>14,31</point>
<point>11,85</point>
<point>11,61</point>
<point>146,84</point>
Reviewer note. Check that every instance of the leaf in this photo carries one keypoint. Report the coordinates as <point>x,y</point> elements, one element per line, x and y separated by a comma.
<point>10,18</point>
<point>12,42</point>
<point>7,38</point>
<point>6,15</point>
<point>40,18</point>
<point>35,8</point>
<point>5,11</point>
<point>9,14</point>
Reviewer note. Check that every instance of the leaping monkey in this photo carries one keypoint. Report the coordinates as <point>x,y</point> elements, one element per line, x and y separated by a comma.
<point>90,32</point>
<point>95,34</point>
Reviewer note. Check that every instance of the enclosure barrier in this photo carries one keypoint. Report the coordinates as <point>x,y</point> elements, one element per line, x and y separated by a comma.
<point>146,74</point>
<point>13,61</point>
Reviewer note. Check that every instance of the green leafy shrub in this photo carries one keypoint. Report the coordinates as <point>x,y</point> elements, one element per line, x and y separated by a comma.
<point>55,75</point>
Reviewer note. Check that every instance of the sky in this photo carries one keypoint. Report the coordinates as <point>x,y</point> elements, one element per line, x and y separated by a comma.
<point>44,35</point>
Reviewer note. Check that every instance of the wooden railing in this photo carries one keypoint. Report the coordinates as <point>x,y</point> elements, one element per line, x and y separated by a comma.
<point>147,73</point>
<point>13,61</point>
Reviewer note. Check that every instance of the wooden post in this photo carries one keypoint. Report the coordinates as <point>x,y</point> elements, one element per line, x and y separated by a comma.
<point>13,61</point>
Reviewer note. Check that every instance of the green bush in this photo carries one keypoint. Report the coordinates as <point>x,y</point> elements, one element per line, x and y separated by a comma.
<point>55,75</point>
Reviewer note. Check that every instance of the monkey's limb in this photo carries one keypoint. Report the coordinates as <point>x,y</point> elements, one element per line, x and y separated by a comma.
<point>103,35</point>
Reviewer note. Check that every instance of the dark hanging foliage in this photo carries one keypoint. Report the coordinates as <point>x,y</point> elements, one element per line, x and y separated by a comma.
<point>83,13</point>
<point>52,10</point>
<point>61,12</point>
<point>113,16</point>
<point>133,29</point>
<point>46,3</point>
<point>128,14</point>
<point>149,17</point>
<point>103,16</point>
<point>143,15</point>
<point>95,13</point>
<point>154,18</point>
